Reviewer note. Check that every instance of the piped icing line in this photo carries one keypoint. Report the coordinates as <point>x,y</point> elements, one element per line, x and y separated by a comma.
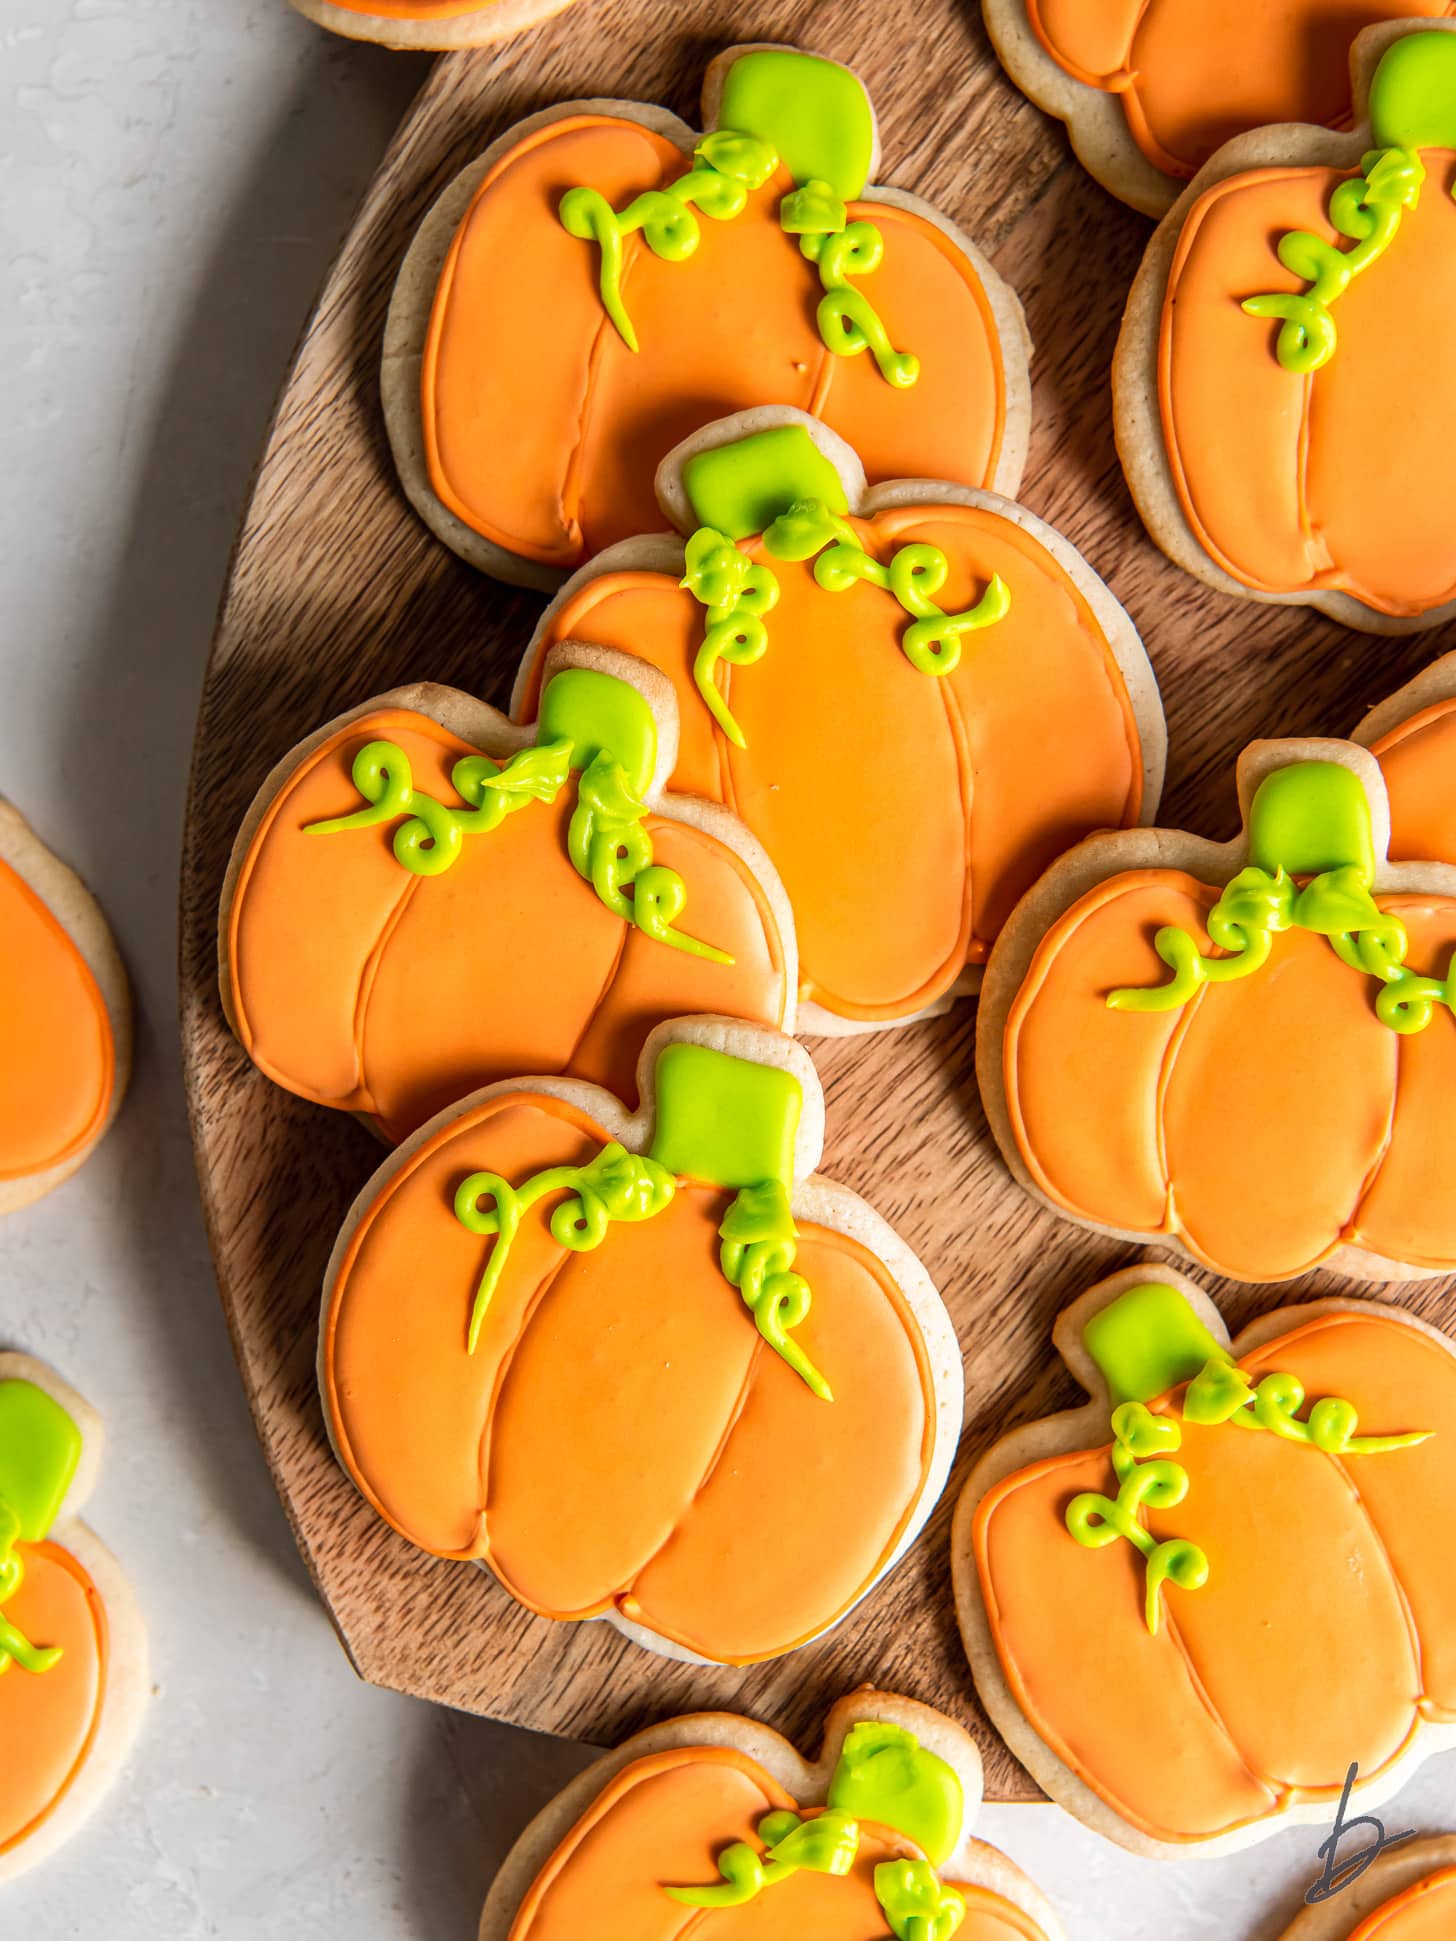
<point>1265,898</point>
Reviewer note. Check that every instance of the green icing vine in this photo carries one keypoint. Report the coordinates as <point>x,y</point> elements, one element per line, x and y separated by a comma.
<point>1142,1444</point>
<point>826,1844</point>
<point>916,1902</point>
<point>15,1647</point>
<point>760,1243</point>
<point>609,847</point>
<point>430,840</point>
<point>1257,905</point>
<point>759,1239</point>
<point>728,167</point>
<point>606,841</point>
<point>1367,209</point>
<point>840,250</point>
<point>1221,1392</point>
<point>616,1185</point>
<point>1224,1392</point>
<point>737,595</point>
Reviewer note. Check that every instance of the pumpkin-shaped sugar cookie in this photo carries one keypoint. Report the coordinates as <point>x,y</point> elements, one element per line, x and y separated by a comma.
<point>715,1825</point>
<point>73,1659</point>
<point>921,688</point>
<point>1192,1604</point>
<point>428,24</point>
<point>65,1018</point>
<point>1150,88</point>
<point>604,281</point>
<point>1286,428</point>
<point>1413,737</point>
<point>424,898</point>
<point>1405,1894</point>
<point>649,1369</point>
<point>1248,1048</point>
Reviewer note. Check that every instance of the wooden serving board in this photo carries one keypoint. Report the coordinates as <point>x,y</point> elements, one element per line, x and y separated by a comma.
<point>337,591</point>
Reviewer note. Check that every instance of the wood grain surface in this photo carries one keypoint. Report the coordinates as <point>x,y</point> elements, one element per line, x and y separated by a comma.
<point>337,591</point>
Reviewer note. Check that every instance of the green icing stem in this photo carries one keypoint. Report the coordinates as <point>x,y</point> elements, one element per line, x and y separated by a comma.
<point>1264,900</point>
<point>729,166</point>
<point>730,1121</point>
<point>916,1902</point>
<point>1367,209</point>
<point>885,1775</point>
<point>826,1844</point>
<point>1413,92</point>
<point>40,1450</point>
<point>814,112</point>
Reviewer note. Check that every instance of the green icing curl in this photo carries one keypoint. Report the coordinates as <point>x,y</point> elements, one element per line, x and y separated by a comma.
<point>916,1902</point>
<point>825,1844</point>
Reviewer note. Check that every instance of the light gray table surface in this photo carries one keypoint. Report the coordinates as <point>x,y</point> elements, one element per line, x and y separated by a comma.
<point>175,176</point>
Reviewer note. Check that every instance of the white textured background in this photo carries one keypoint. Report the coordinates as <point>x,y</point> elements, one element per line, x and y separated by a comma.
<point>175,176</point>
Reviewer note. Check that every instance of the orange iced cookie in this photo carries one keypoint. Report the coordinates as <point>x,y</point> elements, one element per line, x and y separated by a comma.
<point>1150,88</point>
<point>1413,737</point>
<point>1192,1603</point>
<point>651,1370</point>
<point>714,1825</point>
<point>424,898</point>
<point>65,1029</point>
<point>428,23</point>
<point>72,1648</point>
<point>1246,1049</point>
<point>920,687</point>
<point>604,281</point>
<point>1286,433</point>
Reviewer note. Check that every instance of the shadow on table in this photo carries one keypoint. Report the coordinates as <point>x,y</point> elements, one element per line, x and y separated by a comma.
<point>139,677</point>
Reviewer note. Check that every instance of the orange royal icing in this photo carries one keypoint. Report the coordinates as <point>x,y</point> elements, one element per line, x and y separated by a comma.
<point>1190,74</point>
<point>48,1720</point>
<point>949,795</point>
<point>1418,761</point>
<point>1266,1122</point>
<point>1426,1911</point>
<point>361,986</point>
<point>543,431</point>
<point>621,1432</point>
<point>1326,1631</point>
<point>1334,482</point>
<point>665,1819</point>
<point>57,1055</point>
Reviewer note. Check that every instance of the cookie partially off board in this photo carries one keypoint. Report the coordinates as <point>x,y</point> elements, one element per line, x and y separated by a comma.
<point>1406,1894</point>
<point>73,1649</point>
<point>65,1018</point>
<point>309,628</point>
